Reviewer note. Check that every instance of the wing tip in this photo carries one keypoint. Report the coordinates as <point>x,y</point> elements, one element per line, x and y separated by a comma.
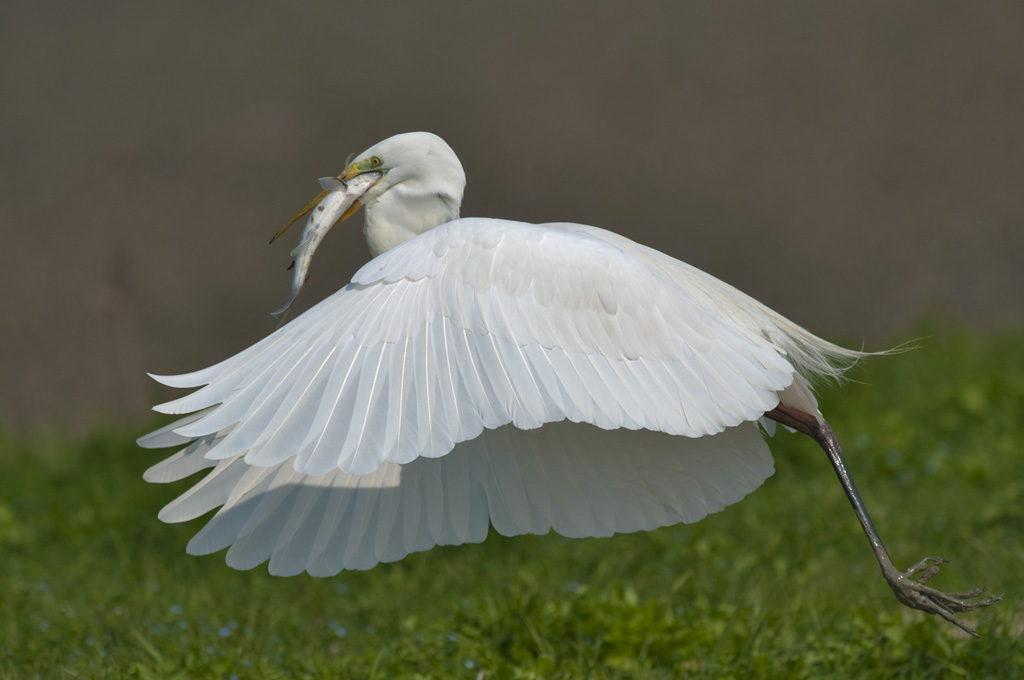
<point>180,380</point>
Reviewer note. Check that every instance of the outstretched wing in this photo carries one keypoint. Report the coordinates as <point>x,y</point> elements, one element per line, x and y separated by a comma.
<point>574,478</point>
<point>405,411</point>
<point>478,324</point>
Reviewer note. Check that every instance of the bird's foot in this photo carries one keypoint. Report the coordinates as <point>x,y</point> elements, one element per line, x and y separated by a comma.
<point>910,589</point>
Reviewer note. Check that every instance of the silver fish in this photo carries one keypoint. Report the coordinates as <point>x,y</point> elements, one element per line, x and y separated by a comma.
<point>336,202</point>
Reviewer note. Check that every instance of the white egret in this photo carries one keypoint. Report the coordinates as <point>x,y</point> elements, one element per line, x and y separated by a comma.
<point>485,372</point>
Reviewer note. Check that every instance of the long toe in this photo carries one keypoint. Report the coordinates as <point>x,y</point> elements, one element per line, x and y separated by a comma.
<point>910,590</point>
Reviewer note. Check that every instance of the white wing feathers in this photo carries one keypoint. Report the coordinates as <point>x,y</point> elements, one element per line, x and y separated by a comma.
<point>506,324</point>
<point>576,479</point>
<point>809,354</point>
<point>469,327</point>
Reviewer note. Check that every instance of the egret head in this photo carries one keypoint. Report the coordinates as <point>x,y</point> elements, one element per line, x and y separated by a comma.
<point>421,187</point>
<point>421,162</point>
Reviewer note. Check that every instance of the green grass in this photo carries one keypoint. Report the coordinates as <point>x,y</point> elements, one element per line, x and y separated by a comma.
<point>781,585</point>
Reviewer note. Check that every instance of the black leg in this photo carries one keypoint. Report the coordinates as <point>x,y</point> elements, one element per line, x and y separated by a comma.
<point>909,586</point>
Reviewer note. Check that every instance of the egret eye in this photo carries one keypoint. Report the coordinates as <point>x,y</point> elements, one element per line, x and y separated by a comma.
<point>375,161</point>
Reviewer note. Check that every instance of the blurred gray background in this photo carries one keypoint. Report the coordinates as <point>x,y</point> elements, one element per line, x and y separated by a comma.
<point>857,166</point>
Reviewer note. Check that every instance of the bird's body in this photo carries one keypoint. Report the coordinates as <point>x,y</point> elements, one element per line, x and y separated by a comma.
<point>487,372</point>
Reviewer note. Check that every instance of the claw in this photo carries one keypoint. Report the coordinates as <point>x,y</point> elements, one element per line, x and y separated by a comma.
<point>910,589</point>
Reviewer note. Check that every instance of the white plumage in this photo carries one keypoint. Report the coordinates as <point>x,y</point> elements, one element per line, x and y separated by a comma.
<point>482,372</point>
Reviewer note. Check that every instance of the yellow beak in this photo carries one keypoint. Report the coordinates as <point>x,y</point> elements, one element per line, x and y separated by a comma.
<point>309,206</point>
<point>352,210</point>
<point>350,173</point>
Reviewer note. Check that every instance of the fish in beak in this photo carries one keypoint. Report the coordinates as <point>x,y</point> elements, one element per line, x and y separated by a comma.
<point>338,201</point>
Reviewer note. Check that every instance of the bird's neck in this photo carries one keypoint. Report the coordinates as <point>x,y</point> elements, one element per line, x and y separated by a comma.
<point>399,216</point>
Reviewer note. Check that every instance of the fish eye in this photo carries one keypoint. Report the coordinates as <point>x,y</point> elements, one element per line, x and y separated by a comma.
<point>375,161</point>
